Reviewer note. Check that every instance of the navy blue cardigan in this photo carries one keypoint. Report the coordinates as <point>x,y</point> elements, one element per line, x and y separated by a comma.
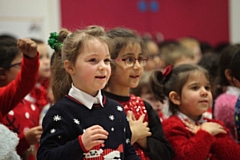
<point>68,119</point>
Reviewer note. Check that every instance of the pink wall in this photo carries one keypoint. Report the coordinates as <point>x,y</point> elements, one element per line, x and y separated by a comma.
<point>203,19</point>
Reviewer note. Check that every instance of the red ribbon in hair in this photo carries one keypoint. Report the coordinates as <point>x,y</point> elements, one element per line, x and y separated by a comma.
<point>167,70</point>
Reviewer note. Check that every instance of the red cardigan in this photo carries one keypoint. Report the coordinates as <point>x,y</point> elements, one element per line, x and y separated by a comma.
<point>200,146</point>
<point>15,91</point>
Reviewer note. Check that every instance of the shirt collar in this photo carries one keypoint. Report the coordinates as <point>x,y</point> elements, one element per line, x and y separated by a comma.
<point>86,99</point>
<point>183,116</point>
<point>233,90</point>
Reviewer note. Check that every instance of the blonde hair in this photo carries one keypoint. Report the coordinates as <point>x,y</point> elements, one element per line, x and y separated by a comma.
<point>172,53</point>
<point>72,45</point>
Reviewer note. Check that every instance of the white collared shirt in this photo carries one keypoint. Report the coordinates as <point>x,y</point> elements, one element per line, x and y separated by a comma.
<point>233,90</point>
<point>183,116</point>
<point>86,99</point>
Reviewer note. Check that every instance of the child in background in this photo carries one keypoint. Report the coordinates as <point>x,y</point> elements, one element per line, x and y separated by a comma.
<point>129,59</point>
<point>191,135</point>
<point>154,62</point>
<point>235,62</point>
<point>174,54</point>
<point>144,91</point>
<point>237,120</point>
<point>23,118</point>
<point>193,45</point>
<point>165,49</point>
<point>84,124</point>
<point>50,98</point>
<point>228,79</point>
<point>11,92</point>
<point>39,93</point>
<point>15,88</point>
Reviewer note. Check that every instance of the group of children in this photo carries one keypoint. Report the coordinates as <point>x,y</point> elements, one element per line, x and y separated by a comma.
<point>96,113</point>
<point>21,73</point>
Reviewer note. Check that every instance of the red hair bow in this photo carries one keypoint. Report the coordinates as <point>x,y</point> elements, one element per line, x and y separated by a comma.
<point>167,70</point>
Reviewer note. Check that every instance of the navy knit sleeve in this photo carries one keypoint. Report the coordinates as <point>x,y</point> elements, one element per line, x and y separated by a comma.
<point>158,146</point>
<point>58,141</point>
<point>237,119</point>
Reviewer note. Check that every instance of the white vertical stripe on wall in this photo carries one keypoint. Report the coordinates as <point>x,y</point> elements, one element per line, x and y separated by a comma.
<point>234,21</point>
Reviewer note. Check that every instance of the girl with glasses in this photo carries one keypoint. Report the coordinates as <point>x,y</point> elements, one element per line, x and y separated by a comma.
<point>18,74</point>
<point>128,55</point>
<point>153,53</point>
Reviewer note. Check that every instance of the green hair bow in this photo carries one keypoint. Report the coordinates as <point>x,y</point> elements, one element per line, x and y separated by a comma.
<point>53,41</point>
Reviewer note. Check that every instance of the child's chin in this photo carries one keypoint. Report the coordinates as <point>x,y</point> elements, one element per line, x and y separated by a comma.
<point>133,85</point>
<point>100,86</point>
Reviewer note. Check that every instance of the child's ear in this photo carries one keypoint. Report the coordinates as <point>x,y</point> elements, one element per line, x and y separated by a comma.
<point>2,74</point>
<point>228,75</point>
<point>174,97</point>
<point>68,67</point>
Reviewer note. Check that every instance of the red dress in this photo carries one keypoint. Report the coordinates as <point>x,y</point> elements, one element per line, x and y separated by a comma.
<point>136,105</point>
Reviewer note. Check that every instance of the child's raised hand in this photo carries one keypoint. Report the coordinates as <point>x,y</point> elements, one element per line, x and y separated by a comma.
<point>139,128</point>
<point>93,136</point>
<point>33,135</point>
<point>213,128</point>
<point>27,47</point>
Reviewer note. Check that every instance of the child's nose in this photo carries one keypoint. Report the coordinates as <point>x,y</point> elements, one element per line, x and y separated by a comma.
<point>204,92</point>
<point>102,65</point>
<point>137,64</point>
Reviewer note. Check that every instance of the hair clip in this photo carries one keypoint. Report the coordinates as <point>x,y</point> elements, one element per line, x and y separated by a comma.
<point>53,41</point>
<point>167,70</point>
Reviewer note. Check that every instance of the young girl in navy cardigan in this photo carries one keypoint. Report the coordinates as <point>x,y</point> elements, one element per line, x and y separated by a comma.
<point>84,124</point>
<point>191,135</point>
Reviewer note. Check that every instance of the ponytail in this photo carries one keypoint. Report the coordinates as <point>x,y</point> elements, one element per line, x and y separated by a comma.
<point>60,80</point>
<point>157,86</point>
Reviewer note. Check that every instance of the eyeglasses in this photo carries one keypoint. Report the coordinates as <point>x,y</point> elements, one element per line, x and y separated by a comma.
<point>153,56</point>
<point>130,61</point>
<point>14,64</point>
